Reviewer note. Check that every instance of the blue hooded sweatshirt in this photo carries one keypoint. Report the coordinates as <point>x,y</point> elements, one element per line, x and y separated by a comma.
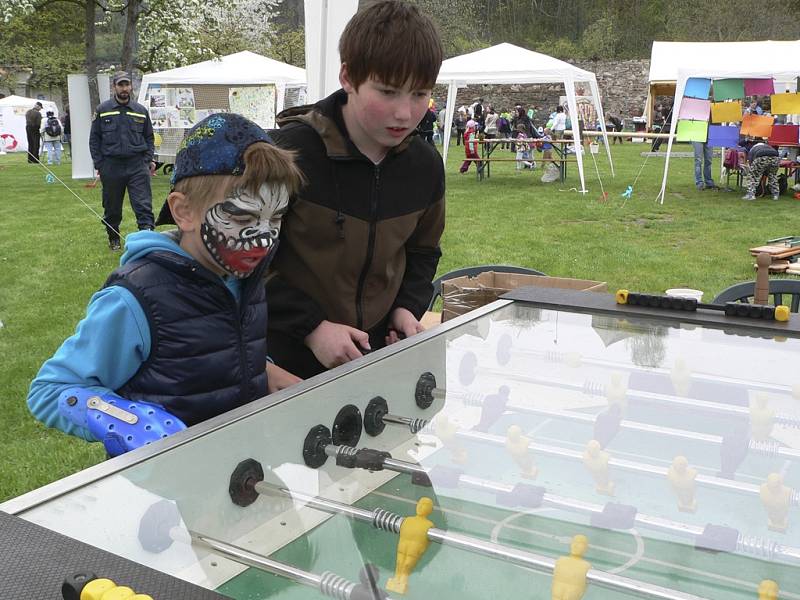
<point>109,345</point>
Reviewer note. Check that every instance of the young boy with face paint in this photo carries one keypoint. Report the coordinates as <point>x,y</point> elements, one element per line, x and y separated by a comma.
<point>360,243</point>
<point>178,333</point>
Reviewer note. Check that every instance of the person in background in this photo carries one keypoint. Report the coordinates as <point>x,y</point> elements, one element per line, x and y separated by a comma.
<point>762,159</point>
<point>67,134</point>
<point>51,134</point>
<point>616,126</point>
<point>460,123</point>
<point>33,128</point>
<point>559,123</point>
<point>504,128</point>
<point>490,124</point>
<point>426,125</point>
<point>666,124</point>
<point>471,147</point>
<point>523,149</point>
<point>479,114</point>
<point>703,154</point>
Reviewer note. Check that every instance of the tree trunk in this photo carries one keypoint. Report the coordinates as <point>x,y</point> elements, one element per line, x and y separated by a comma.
<point>130,41</point>
<point>91,53</point>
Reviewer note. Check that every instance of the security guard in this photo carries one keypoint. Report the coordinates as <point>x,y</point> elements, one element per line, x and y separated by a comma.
<point>121,143</point>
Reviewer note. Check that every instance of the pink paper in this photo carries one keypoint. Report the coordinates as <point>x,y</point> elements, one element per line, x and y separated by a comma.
<point>759,87</point>
<point>695,109</point>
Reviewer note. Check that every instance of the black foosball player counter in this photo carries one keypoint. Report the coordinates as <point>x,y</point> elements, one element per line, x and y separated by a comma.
<point>512,453</point>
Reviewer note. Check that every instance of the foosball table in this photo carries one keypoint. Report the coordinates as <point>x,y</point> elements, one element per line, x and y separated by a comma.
<point>552,445</point>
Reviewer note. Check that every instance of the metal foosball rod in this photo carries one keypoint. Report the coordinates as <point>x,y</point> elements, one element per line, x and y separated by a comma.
<point>390,522</point>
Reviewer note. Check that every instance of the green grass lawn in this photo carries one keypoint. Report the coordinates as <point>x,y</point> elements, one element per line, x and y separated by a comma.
<point>53,256</point>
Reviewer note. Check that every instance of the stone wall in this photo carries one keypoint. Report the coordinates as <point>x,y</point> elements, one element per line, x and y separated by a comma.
<point>623,88</point>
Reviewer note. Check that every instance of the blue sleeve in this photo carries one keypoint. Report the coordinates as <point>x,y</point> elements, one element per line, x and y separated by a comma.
<point>106,350</point>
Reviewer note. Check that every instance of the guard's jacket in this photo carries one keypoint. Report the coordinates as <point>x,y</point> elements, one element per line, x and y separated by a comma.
<point>121,131</point>
<point>208,355</point>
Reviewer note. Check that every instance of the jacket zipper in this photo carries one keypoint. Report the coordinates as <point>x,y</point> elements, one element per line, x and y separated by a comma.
<point>373,212</point>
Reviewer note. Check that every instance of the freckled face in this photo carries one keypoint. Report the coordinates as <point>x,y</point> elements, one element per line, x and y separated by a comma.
<point>240,231</point>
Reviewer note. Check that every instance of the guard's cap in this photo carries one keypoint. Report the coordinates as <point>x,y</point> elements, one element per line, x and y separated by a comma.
<point>121,76</point>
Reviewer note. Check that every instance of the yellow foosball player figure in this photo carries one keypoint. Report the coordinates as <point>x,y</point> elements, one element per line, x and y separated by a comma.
<point>517,446</point>
<point>681,377</point>
<point>776,498</point>
<point>762,419</point>
<point>412,545</point>
<point>569,575</point>
<point>768,590</point>
<point>596,461</point>
<point>82,586</point>
<point>446,431</point>
<point>681,477</point>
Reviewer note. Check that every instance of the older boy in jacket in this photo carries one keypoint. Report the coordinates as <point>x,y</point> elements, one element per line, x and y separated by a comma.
<point>360,243</point>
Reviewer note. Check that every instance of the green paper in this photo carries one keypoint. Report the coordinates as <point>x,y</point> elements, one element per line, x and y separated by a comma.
<point>692,131</point>
<point>728,89</point>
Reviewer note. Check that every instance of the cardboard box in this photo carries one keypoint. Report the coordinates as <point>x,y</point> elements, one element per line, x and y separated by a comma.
<point>463,294</point>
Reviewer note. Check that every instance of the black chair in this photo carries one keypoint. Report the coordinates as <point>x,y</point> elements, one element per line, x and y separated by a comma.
<point>472,271</point>
<point>781,291</point>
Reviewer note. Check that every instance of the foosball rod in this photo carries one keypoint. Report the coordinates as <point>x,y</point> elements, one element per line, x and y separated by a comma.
<point>766,447</point>
<point>731,309</point>
<point>329,584</point>
<point>597,389</point>
<point>375,460</point>
<point>390,522</point>
<point>554,356</point>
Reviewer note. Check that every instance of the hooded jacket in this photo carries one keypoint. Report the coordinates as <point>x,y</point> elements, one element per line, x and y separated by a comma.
<point>141,345</point>
<point>360,239</point>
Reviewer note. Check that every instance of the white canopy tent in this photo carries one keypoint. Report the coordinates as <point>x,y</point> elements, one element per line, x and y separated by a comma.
<point>666,58</point>
<point>12,120</point>
<point>506,63</point>
<point>242,68</point>
<point>783,69</point>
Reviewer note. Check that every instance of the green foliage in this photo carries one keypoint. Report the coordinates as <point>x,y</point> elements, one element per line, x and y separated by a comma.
<point>599,39</point>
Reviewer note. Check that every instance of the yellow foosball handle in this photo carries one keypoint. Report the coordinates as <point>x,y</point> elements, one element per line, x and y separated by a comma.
<point>781,313</point>
<point>621,296</point>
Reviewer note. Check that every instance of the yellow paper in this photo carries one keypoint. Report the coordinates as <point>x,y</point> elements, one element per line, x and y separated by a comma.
<point>726,112</point>
<point>785,104</point>
<point>757,125</point>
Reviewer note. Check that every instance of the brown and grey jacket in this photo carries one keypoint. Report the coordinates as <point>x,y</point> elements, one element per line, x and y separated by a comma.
<point>360,239</point>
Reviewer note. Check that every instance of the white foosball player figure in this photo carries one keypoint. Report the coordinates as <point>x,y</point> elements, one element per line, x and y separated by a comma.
<point>596,461</point>
<point>762,419</point>
<point>517,446</point>
<point>681,377</point>
<point>776,498</point>
<point>681,477</point>
<point>446,431</point>
<point>616,391</point>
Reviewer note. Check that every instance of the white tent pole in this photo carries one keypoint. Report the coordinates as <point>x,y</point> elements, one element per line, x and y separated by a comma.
<point>598,106</point>
<point>449,111</point>
<point>569,84</point>
<point>679,87</point>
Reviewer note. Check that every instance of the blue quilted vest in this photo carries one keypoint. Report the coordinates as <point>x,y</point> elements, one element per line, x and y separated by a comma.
<point>207,354</point>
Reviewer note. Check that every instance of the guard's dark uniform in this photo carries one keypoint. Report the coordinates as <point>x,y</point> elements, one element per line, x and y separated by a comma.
<point>121,143</point>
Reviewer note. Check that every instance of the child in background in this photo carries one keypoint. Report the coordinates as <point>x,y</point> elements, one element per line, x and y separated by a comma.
<point>523,149</point>
<point>471,147</point>
<point>51,136</point>
<point>178,334</point>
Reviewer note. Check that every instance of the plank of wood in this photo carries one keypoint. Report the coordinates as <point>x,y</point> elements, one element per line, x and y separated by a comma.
<point>776,251</point>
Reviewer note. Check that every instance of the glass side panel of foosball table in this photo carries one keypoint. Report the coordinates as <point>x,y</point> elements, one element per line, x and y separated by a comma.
<point>544,425</point>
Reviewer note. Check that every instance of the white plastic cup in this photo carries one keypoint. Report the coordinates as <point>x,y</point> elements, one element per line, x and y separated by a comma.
<point>686,293</point>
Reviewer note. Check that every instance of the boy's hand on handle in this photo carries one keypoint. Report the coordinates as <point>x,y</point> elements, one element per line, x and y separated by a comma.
<point>402,324</point>
<point>335,344</point>
<point>279,378</point>
<point>122,425</point>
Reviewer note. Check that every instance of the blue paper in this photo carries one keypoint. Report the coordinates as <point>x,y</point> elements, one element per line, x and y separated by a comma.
<point>697,87</point>
<point>723,136</point>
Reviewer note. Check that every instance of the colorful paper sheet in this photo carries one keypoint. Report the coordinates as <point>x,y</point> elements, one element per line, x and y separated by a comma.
<point>723,136</point>
<point>695,109</point>
<point>728,89</point>
<point>757,125</point>
<point>697,87</point>
<point>726,112</point>
<point>785,134</point>
<point>759,87</point>
<point>785,104</point>
<point>692,131</point>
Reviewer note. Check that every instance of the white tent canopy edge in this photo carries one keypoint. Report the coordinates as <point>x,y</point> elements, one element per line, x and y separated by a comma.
<point>783,76</point>
<point>507,63</point>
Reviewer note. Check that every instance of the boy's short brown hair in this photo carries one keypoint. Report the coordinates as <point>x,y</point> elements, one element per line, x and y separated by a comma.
<point>393,42</point>
<point>264,163</point>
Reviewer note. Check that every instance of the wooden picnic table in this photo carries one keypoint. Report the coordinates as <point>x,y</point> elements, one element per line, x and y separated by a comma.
<point>488,146</point>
